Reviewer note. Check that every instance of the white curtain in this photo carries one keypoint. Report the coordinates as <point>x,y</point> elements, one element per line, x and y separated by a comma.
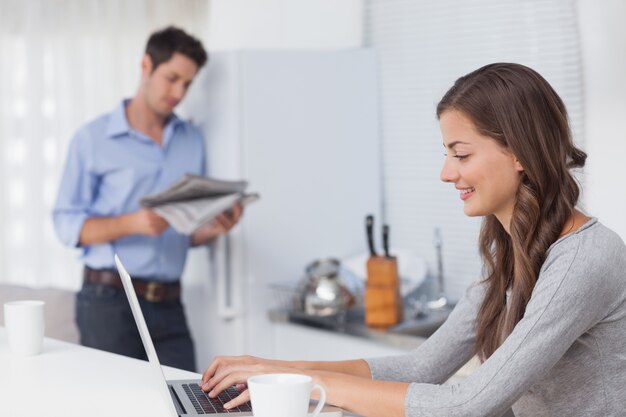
<point>63,62</point>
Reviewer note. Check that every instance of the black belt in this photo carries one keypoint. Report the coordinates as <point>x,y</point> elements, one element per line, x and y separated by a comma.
<point>149,290</point>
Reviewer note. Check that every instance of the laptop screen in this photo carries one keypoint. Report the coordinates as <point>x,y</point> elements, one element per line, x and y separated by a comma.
<point>145,337</point>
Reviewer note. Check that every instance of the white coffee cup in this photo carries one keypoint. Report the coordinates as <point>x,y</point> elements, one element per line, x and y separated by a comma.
<point>24,323</point>
<point>283,395</point>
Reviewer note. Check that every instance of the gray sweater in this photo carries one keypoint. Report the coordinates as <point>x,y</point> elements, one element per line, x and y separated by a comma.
<point>566,357</point>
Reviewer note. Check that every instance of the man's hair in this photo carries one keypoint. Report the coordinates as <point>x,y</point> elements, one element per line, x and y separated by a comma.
<point>515,106</point>
<point>164,43</point>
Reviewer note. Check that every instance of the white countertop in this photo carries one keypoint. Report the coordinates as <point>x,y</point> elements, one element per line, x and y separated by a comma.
<point>68,380</point>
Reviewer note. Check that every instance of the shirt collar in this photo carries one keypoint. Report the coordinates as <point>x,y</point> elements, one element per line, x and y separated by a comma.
<point>118,123</point>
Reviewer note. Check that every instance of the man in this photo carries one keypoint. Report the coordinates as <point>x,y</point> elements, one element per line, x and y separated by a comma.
<point>138,149</point>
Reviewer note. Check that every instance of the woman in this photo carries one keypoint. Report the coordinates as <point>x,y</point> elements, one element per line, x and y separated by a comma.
<point>548,319</point>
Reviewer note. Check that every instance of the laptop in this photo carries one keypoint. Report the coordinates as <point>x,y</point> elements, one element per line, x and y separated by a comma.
<point>184,397</point>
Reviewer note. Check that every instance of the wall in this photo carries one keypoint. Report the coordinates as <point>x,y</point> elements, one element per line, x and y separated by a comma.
<point>285,24</point>
<point>603,36</point>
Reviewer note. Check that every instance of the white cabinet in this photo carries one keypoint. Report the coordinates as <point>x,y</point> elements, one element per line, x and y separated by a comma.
<point>297,342</point>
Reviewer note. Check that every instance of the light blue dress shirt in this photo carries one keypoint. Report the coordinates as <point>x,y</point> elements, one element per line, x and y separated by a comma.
<point>109,168</point>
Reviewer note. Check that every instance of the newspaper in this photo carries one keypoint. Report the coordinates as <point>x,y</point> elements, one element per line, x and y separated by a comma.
<point>194,201</point>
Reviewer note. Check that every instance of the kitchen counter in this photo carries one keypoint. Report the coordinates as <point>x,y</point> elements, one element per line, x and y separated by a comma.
<point>406,335</point>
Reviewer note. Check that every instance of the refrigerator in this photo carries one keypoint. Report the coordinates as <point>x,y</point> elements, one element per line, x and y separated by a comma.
<point>302,127</point>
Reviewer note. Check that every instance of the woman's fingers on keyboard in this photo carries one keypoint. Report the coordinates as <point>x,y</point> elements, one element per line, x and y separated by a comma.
<point>227,381</point>
<point>242,398</point>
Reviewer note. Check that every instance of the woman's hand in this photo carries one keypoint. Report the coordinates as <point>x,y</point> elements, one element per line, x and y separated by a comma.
<point>226,371</point>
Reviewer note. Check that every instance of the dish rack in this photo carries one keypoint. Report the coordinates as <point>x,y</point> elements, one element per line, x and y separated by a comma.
<point>286,296</point>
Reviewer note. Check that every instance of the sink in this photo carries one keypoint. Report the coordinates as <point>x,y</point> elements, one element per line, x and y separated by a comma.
<point>422,315</point>
<point>353,316</point>
<point>354,322</point>
<point>424,325</point>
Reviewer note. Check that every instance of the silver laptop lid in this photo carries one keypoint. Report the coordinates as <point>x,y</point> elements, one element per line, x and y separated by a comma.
<point>155,366</point>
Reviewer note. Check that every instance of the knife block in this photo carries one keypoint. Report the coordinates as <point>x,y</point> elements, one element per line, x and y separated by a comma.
<point>383,303</point>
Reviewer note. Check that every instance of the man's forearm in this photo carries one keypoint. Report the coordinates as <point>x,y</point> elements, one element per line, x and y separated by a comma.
<point>204,234</point>
<point>105,229</point>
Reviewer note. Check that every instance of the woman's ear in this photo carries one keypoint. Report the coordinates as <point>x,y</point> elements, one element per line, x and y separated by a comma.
<point>518,165</point>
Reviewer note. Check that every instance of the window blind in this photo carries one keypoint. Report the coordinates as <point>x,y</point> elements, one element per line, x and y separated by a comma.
<point>423,47</point>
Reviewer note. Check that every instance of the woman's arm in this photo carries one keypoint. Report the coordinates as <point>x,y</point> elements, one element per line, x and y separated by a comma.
<point>363,396</point>
<point>442,354</point>
<point>356,367</point>
<point>348,385</point>
<point>222,365</point>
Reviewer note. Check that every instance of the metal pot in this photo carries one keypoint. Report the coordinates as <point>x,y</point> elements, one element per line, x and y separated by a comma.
<point>325,291</point>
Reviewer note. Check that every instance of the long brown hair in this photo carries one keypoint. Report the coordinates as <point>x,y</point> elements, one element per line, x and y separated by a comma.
<point>517,107</point>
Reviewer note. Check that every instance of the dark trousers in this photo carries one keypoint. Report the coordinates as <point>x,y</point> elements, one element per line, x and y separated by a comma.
<point>106,322</point>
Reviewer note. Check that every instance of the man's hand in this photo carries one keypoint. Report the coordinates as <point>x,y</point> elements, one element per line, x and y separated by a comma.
<point>227,220</point>
<point>147,222</point>
<point>220,225</point>
<point>98,230</point>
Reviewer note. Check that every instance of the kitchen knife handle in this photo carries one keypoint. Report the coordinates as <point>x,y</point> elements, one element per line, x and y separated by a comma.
<point>369,227</point>
<point>386,239</point>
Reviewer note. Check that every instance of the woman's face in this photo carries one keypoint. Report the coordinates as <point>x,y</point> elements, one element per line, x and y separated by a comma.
<point>486,174</point>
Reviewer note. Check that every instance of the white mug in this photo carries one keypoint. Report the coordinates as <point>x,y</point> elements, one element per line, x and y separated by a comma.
<point>283,395</point>
<point>24,323</point>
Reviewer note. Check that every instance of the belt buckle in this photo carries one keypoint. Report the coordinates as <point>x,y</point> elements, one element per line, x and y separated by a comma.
<point>152,292</point>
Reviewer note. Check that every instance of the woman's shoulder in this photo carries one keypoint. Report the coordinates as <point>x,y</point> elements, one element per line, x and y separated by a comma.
<point>592,236</point>
<point>587,267</point>
<point>593,248</point>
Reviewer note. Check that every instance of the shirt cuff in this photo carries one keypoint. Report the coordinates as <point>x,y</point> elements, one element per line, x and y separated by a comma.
<point>68,228</point>
<point>379,368</point>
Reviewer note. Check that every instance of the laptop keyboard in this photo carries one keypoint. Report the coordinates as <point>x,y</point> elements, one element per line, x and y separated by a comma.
<point>205,405</point>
